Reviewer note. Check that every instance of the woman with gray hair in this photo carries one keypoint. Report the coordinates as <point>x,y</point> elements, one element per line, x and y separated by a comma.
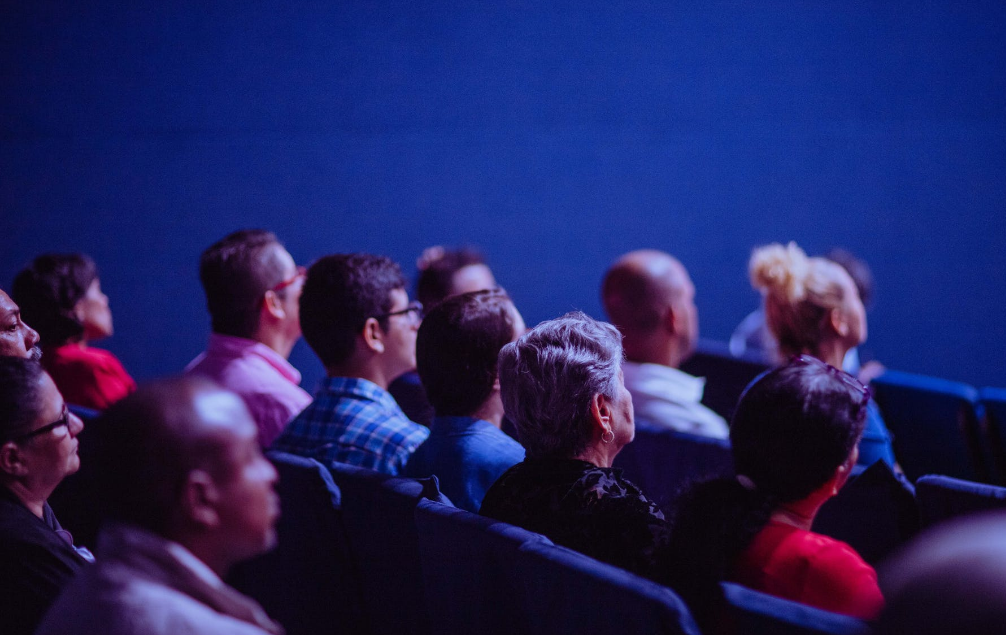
<point>562,386</point>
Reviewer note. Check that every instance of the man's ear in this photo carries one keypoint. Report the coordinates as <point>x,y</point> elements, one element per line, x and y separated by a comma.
<point>10,459</point>
<point>838,321</point>
<point>199,499</point>
<point>670,320</point>
<point>373,335</point>
<point>272,305</point>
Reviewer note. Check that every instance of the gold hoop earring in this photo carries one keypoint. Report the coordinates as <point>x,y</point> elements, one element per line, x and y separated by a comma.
<point>607,436</point>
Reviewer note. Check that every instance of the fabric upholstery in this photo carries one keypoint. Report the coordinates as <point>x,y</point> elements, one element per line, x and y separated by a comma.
<point>661,461</point>
<point>874,513</point>
<point>754,613</point>
<point>379,518</point>
<point>309,582</point>
<point>942,498</point>
<point>934,423</point>
<point>726,375</point>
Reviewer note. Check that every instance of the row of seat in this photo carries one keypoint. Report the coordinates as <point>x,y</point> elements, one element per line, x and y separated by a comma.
<point>363,552</point>
<point>939,426</point>
<point>875,512</point>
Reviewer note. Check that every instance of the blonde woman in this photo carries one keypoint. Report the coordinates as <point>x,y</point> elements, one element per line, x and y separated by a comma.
<point>812,307</point>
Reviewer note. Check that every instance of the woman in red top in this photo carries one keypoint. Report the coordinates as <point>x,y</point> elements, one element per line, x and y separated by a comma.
<point>793,438</point>
<point>61,295</point>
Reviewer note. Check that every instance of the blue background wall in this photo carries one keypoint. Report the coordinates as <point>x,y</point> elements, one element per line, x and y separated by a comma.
<point>554,135</point>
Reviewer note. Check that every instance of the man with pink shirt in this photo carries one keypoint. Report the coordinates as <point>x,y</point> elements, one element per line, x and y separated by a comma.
<point>253,293</point>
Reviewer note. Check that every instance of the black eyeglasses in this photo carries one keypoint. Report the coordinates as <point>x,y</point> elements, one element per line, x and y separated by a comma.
<point>414,310</point>
<point>64,420</point>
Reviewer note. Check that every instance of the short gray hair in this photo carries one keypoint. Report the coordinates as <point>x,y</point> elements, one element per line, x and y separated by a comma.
<point>549,377</point>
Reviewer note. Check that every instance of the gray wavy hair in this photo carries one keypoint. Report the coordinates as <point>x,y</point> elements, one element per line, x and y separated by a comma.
<point>549,377</point>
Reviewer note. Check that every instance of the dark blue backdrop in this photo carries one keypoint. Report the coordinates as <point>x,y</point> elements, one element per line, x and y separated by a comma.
<point>554,135</point>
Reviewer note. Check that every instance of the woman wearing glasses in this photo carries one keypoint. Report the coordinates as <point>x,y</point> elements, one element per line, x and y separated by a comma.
<point>38,448</point>
<point>60,295</point>
<point>793,439</point>
<point>813,308</point>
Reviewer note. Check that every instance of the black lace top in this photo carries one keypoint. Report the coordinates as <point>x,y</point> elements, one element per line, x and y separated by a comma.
<point>581,506</point>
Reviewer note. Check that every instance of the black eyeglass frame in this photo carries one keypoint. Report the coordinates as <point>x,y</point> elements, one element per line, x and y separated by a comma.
<point>64,420</point>
<point>414,306</point>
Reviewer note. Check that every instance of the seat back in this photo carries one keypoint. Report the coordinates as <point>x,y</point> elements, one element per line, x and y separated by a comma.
<point>567,592</point>
<point>942,498</point>
<point>726,375</point>
<point>934,423</point>
<point>309,582</point>
<point>488,577</point>
<point>471,567</point>
<point>379,518</point>
<point>755,613</point>
<point>875,512</point>
<point>662,461</point>
<point>992,402</point>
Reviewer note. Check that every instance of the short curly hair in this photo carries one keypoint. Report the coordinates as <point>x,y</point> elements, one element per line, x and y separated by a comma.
<point>548,379</point>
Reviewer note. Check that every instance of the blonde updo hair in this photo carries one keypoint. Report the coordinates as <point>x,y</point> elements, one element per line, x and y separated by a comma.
<point>800,293</point>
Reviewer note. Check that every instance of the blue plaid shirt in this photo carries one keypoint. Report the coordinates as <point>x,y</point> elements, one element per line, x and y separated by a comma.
<point>353,421</point>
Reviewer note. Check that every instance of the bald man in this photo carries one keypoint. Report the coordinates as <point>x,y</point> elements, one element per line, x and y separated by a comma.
<point>186,494</point>
<point>648,295</point>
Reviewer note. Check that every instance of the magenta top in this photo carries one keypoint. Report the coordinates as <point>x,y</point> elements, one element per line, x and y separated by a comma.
<point>269,385</point>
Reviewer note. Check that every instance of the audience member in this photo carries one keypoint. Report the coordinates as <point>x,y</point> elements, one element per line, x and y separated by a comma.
<point>949,580</point>
<point>456,350</point>
<point>357,318</point>
<point>650,298</point>
<point>442,273</point>
<point>812,307</point>
<point>17,339</point>
<point>753,337</point>
<point>60,294</point>
<point>38,448</point>
<point>561,384</point>
<point>187,494</point>
<point>253,292</point>
<point>793,439</point>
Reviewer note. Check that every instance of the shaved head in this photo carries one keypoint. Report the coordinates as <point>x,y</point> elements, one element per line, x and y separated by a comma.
<point>641,286</point>
<point>151,441</point>
<point>648,295</point>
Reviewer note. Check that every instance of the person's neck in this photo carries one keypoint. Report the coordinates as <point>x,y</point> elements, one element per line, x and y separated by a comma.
<point>831,352</point>
<point>799,514</point>
<point>370,370</point>
<point>600,454</point>
<point>277,341</point>
<point>33,500</point>
<point>652,348</point>
<point>491,410</point>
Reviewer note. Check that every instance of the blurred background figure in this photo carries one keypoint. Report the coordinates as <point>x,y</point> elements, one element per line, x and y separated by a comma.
<point>793,439</point>
<point>186,494</point>
<point>812,307</point>
<point>951,579</point>
<point>38,448</point>
<point>753,336</point>
<point>60,296</point>
<point>442,273</point>
<point>17,339</point>
<point>649,296</point>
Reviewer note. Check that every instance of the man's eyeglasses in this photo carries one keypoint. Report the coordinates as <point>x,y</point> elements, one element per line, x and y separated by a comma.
<point>300,273</point>
<point>414,311</point>
<point>62,421</point>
